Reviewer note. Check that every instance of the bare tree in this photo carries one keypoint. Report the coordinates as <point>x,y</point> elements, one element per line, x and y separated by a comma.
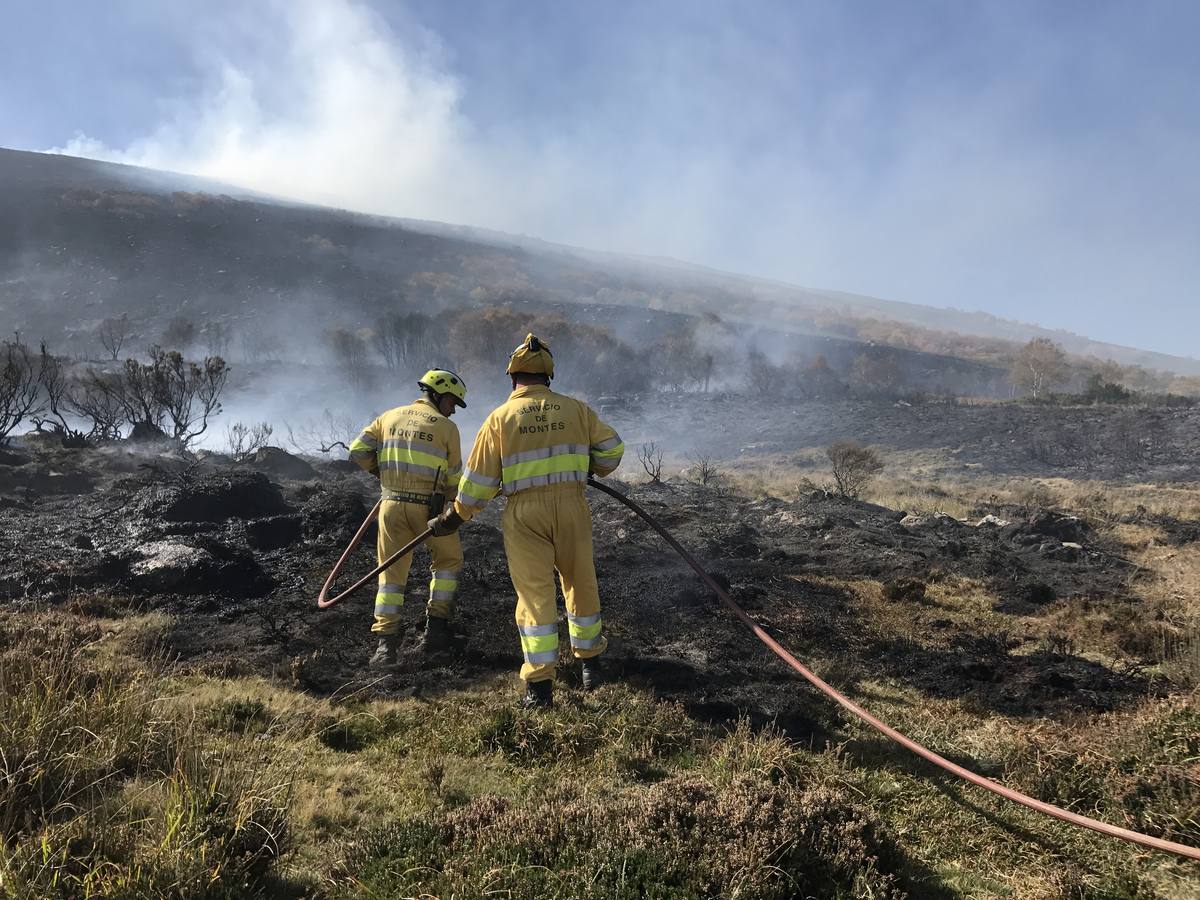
<point>705,471</point>
<point>1039,366</point>
<point>20,387</point>
<point>401,337</point>
<point>216,337</point>
<point>762,377</point>
<point>55,386</point>
<point>820,381</point>
<point>168,395</point>
<point>259,346</point>
<point>96,397</point>
<point>322,434</point>
<point>876,374</point>
<point>853,466</point>
<point>189,392</point>
<point>651,459</point>
<point>706,365</point>
<point>350,353</point>
<point>246,440</point>
<point>479,337</point>
<point>112,334</point>
<point>681,365</point>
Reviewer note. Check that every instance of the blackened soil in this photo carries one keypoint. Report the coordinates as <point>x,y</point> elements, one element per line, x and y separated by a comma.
<point>238,556</point>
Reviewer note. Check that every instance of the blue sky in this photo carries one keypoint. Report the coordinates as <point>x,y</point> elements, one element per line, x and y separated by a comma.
<point>1035,160</point>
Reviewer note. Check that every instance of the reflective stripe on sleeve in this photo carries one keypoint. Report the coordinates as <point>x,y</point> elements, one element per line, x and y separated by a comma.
<point>610,455</point>
<point>609,447</point>
<point>475,489</point>
<point>483,481</point>
<point>607,454</point>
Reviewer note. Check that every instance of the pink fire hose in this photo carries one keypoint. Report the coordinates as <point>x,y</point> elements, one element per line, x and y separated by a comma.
<point>1124,834</point>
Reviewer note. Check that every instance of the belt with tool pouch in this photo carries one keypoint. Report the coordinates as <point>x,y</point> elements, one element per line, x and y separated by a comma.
<point>409,497</point>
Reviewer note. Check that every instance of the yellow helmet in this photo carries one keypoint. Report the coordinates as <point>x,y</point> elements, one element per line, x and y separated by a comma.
<point>533,357</point>
<point>443,381</point>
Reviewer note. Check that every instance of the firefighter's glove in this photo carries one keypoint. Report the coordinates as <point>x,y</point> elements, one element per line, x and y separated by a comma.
<point>447,523</point>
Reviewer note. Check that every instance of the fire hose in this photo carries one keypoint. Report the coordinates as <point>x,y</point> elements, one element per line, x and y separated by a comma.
<point>1125,834</point>
<point>1063,815</point>
<point>324,601</point>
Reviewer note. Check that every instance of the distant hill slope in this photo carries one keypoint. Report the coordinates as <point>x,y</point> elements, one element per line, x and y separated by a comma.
<point>82,240</point>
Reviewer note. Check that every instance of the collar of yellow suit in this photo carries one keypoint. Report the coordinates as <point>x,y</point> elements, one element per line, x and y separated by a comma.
<point>527,390</point>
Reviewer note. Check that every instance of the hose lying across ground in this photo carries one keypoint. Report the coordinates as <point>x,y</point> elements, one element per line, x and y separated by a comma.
<point>1124,834</point>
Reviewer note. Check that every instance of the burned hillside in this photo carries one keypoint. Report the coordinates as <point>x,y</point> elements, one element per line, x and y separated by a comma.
<point>108,242</point>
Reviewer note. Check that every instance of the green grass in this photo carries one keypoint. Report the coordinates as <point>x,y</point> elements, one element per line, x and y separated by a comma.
<point>106,791</point>
<point>124,779</point>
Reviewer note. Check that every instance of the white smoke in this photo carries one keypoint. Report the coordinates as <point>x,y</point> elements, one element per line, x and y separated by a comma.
<point>708,143</point>
<point>341,111</point>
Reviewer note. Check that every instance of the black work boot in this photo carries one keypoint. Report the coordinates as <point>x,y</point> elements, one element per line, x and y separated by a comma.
<point>385,653</point>
<point>437,635</point>
<point>593,673</point>
<point>538,695</point>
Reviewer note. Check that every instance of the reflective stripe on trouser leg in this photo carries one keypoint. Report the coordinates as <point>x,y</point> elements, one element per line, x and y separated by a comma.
<point>577,573</point>
<point>527,528</point>
<point>585,631</point>
<point>395,530</point>
<point>539,643</point>
<point>446,560</point>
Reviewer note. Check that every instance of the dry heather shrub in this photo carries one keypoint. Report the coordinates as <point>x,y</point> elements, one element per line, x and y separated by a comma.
<point>631,727</point>
<point>853,466</point>
<point>683,837</point>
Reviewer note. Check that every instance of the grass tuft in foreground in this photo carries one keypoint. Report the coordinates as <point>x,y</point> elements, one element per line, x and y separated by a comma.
<point>104,792</point>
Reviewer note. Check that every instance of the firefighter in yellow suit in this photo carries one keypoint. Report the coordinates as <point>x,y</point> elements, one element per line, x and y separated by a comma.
<point>415,452</point>
<point>538,448</point>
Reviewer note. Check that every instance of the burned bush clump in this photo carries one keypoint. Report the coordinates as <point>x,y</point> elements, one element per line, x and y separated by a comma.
<point>167,396</point>
<point>216,498</point>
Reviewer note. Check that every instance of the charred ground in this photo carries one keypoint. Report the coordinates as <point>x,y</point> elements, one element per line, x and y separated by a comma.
<point>237,553</point>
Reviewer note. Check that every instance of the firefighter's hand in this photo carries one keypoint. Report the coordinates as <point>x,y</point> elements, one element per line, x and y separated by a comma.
<point>447,523</point>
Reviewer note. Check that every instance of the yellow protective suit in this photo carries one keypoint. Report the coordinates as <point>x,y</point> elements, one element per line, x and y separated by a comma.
<point>538,448</point>
<point>415,452</point>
